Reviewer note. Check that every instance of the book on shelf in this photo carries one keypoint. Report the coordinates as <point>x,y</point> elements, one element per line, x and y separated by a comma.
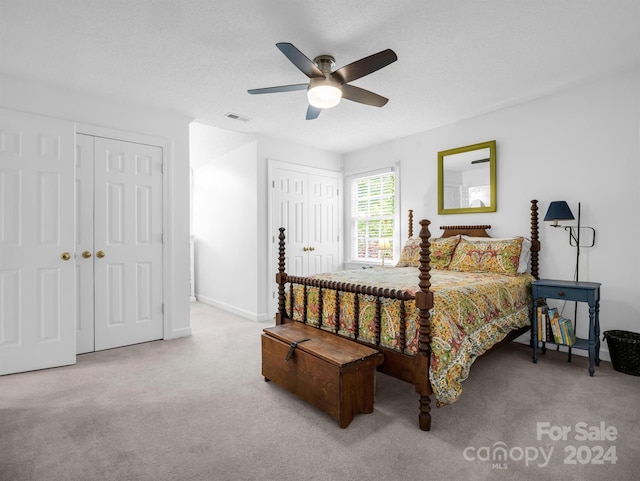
<point>554,316</point>
<point>541,318</point>
<point>548,332</point>
<point>566,328</point>
<point>555,327</point>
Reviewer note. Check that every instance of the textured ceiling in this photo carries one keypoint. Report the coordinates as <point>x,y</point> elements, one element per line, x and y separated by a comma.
<point>456,59</point>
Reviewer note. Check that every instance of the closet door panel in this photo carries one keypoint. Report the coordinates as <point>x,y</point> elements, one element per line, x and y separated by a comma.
<point>37,289</point>
<point>128,243</point>
<point>290,202</point>
<point>323,224</point>
<point>84,244</point>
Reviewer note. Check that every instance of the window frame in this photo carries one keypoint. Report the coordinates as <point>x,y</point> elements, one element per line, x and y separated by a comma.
<point>351,246</point>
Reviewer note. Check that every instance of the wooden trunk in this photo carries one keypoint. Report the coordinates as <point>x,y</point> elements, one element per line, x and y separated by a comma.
<point>331,373</point>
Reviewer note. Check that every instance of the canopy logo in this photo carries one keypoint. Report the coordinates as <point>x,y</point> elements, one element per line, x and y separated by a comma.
<point>591,450</point>
<point>500,456</point>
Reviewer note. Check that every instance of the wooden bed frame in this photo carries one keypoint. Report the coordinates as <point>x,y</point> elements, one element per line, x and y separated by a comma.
<point>411,368</point>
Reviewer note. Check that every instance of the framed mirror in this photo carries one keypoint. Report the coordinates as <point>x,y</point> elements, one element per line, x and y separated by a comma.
<point>467,179</point>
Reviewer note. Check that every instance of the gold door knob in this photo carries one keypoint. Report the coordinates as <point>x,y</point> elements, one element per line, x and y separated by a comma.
<point>305,249</point>
<point>86,254</point>
<point>100,254</point>
<point>65,256</point>
<point>312,249</point>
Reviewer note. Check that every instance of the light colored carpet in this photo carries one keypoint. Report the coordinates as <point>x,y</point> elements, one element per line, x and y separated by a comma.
<point>198,409</point>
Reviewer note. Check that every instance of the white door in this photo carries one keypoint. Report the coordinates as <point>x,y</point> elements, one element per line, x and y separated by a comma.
<point>84,244</point>
<point>306,203</point>
<point>37,291</point>
<point>118,243</point>
<point>323,238</point>
<point>291,208</point>
<point>127,243</point>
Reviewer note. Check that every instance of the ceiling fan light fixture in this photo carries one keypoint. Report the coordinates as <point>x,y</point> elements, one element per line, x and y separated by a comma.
<point>326,86</point>
<point>324,95</point>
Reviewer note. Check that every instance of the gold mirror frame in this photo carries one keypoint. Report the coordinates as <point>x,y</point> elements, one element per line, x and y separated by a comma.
<point>469,154</point>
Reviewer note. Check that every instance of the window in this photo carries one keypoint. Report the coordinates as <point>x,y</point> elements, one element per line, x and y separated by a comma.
<point>373,199</point>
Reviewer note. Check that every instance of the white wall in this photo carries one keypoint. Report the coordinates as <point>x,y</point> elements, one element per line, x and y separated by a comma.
<point>580,145</point>
<point>232,268</point>
<point>225,216</point>
<point>102,112</point>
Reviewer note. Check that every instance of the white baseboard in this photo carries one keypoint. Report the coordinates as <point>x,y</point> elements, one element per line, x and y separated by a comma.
<point>181,332</point>
<point>252,316</point>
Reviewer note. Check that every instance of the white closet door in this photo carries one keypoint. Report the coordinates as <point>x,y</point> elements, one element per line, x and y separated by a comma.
<point>37,291</point>
<point>323,224</point>
<point>127,243</point>
<point>290,208</point>
<point>306,203</point>
<point>84,244</point>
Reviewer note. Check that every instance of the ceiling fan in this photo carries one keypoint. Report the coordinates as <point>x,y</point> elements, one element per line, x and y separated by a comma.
<point>327,87</point>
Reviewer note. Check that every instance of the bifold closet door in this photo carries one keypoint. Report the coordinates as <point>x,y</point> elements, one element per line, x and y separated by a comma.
<point>306,205</point>
<point>323,223</point>
<point>127,243</point>
<point>36,243</point>
<point>290,206</point>
<point>120,249</point>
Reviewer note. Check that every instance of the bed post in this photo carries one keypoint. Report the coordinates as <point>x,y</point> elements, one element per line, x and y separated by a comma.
<point>410,230</point>
<point>535,243</point>
<point>424,302</point>
<point>281,279</point>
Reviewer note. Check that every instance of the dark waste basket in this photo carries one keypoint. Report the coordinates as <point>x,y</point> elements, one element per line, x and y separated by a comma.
<point>624,347</point>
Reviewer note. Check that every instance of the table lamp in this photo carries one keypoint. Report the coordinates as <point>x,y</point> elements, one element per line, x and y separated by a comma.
<point>384,244</point>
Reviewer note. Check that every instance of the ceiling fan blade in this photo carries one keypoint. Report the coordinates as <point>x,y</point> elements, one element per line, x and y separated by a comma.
<point>356,94</point>
<point>364,66</point>
<point>300,60</point>
<point>313,112</point>
<point>281,88</point>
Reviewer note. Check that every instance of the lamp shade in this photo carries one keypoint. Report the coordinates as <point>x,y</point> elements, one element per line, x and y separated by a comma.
<point>558,210</point>
<point>384,243</point>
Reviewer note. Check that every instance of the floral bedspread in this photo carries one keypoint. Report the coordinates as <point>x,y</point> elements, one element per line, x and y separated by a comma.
<point>471,313</point>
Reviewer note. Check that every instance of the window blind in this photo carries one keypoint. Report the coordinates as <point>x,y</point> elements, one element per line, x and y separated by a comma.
<point>372,215</point>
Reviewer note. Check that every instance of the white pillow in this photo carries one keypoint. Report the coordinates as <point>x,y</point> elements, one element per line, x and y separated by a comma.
<point>525,253</point>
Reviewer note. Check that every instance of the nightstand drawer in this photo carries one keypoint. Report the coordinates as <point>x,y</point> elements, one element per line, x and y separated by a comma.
<point>568,293</point>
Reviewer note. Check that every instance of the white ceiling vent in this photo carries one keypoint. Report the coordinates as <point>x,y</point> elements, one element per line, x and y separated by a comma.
<point>233,116</point>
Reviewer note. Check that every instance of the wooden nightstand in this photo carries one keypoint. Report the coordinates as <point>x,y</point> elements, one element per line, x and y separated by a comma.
<point>578,291</point>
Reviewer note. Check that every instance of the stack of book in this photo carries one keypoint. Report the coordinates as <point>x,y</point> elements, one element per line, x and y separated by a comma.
<point>554,328</point>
